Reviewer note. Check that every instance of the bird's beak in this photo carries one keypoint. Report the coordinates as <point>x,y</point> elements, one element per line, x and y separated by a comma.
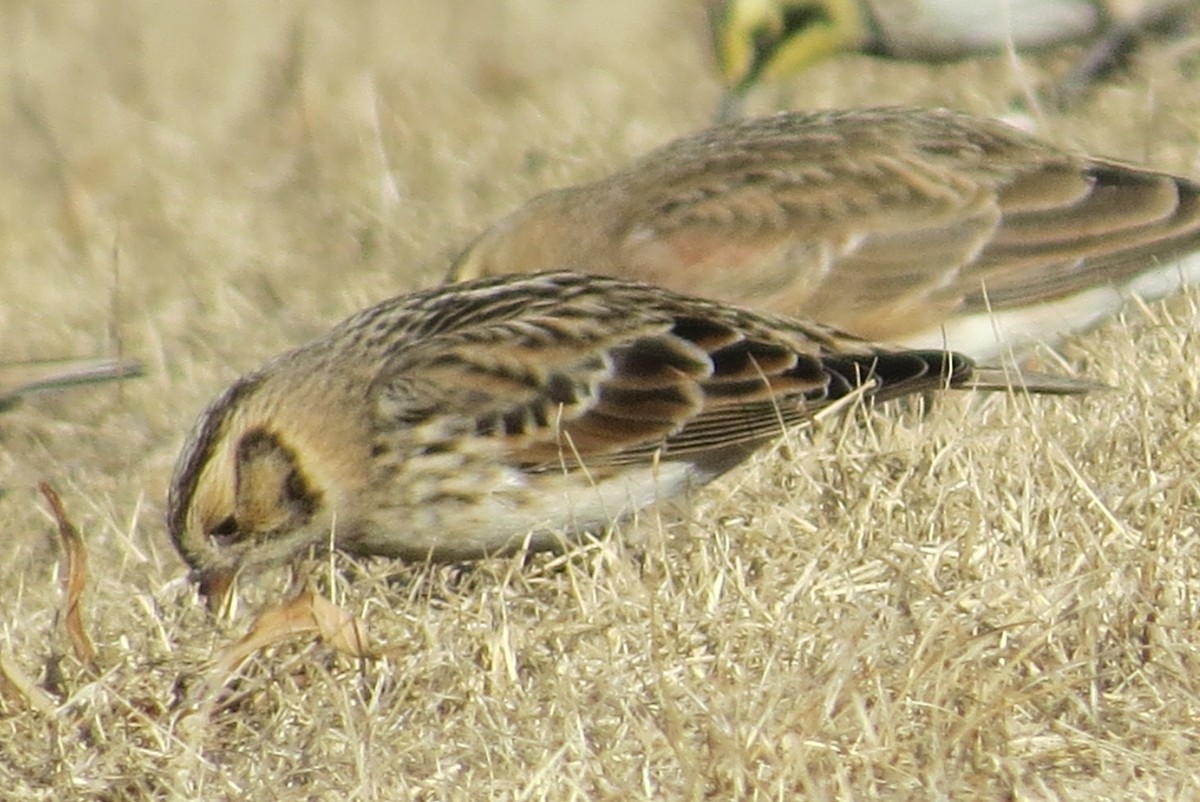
<point>215,587</point>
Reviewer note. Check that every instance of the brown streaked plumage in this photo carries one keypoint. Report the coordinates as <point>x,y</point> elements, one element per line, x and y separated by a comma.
<point>484,417</point>
<point>898,224</point>
<point>19,379</point>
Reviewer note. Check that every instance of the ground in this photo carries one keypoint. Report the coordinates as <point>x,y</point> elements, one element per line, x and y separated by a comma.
<point>979,599</point>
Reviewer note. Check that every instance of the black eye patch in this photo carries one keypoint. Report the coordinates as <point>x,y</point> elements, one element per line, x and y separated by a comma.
<point>226,530</point>
<point>765,41</point>
<point>298,494</point>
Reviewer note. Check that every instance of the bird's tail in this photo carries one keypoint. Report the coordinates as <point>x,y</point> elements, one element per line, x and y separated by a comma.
<point>992,378</point>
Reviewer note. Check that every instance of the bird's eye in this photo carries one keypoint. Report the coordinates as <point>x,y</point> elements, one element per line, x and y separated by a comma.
<point>226,530</point>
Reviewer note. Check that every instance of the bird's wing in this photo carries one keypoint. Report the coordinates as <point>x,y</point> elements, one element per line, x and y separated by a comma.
<point>614,377</point>
<point>884,222</point>
<point>1065,230</point>
<point>887,228</point>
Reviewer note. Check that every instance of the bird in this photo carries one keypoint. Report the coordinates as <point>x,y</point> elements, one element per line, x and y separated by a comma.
<point>21,379</point>
<point>758,41</point>
<point>922,227</point>
<point>765,39</point>
<point>510,413</point>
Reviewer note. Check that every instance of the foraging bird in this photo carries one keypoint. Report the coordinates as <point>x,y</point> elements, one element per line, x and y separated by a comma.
<point>19,379</point>
<point>923,227</point>
<point>761,40</point>
<point>507,413</point>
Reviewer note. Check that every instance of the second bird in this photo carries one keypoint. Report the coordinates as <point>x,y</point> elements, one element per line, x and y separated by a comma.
<point>923,227</point>
<point>766,39</point>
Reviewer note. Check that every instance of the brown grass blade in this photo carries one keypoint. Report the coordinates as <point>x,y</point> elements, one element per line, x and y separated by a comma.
<point>19,688</point>
<point>305,614</point>
<point>74,579</point>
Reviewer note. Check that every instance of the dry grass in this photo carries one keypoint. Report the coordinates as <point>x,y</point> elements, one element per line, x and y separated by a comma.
<point>997,599</point>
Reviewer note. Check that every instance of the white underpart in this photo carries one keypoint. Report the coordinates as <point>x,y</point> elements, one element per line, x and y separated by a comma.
<point>989,334</point>
<point>595,507</point>
<point>542,509</point>
<point>573,507</point>
<point>945,27</point>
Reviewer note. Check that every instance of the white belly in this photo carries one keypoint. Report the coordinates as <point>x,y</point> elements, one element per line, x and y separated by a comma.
<point>988,334</point>
<point>540,511</point>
